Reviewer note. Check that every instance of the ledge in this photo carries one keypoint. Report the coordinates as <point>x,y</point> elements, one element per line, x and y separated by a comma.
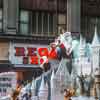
<point>43,39</point>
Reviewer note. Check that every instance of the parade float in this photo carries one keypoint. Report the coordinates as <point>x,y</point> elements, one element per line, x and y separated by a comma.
<point>74,77</point>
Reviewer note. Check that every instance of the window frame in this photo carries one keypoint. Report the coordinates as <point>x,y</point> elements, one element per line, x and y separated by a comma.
<point>21,22</point>
<point>42,32</point>
<point>34,22</point>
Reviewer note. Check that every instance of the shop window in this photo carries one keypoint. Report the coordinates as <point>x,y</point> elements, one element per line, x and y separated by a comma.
<point>24,22</point>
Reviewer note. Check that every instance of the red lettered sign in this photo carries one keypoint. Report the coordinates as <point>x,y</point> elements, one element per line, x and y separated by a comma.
<point>33,55</point>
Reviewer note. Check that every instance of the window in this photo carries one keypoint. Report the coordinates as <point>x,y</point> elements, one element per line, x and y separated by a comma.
<point>36,22</point>
<point>1,15</point>
<point>61,21</point>
<point>42,23</point>
<point>24,22</point>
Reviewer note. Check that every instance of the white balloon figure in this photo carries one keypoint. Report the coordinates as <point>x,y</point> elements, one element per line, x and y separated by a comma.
<point>33,90</point>
<point>66,40</point>
<point>63,77</point>
<point>54,90</point>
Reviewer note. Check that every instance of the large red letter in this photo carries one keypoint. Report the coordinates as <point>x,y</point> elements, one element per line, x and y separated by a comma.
<point>34,60</point>
<point>25,60</point>
<point>53,54</point>
<point>31,51</point>
<point>43,52</point>
<point>20,51</point>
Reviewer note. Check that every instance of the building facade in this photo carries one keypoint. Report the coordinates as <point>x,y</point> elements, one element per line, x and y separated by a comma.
<point>31,23</point>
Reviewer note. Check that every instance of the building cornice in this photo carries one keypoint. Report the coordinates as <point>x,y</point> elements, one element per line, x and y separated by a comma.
<point>26,39</point>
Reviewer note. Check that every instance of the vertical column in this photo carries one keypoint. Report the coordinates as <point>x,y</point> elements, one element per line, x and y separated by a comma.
<point>42,22</point>
<point>11,16</point>
<point>56,16</point>
<point>5,6</point>
<point>54,25</point>
<point>48,24</point>
<point>73,15</point>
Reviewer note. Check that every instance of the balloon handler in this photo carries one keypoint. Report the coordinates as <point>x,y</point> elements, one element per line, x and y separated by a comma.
<point>68,93</point>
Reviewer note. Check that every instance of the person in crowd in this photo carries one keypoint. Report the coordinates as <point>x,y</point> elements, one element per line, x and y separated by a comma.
<point>14,94</point>
<point>68,93</point>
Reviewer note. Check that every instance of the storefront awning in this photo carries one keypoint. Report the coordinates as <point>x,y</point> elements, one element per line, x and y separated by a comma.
<point>5,67</point>
<point>25,67</point>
